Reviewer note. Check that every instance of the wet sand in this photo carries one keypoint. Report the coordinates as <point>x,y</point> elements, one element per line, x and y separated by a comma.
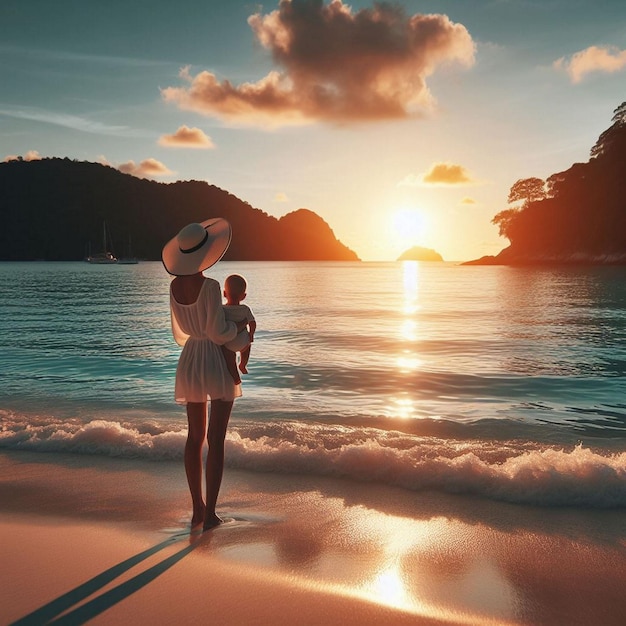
<point>94,538</point>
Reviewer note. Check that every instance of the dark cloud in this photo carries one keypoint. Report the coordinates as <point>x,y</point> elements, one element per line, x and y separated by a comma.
<point>336,65</point>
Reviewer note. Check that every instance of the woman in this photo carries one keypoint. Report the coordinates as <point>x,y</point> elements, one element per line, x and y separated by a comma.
<point>198,324</point>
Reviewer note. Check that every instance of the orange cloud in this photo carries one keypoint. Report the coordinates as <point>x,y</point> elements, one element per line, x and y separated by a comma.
<point>148,168</point>
<point>337,66</point>
<point>446,174</point>
<point>186,137</point>
<point>31,155</point>
<point>468,200</point>
<point>440,174</point>
<point>606,59</point>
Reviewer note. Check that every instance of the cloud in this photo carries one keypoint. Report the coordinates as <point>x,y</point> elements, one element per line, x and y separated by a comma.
<point>67,121</point>
<point>336,65</point>
<point>148,168</point>
<point>468,200</point>
<point>446,174</point>
<point>186,137</point>
<point>281,197</point>
<point>46,54</point>
<point>606,59</point>
<point>443,174</point>
<point>31,155</point>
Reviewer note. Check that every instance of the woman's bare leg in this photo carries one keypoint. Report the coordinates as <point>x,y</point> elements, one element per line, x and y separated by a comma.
<point>218,422</point>
<point>196,419</point>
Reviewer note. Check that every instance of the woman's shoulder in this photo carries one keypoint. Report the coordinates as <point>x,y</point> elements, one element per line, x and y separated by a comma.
<point>187,291</point>
<point>211,289</point>
<point>211,282</point>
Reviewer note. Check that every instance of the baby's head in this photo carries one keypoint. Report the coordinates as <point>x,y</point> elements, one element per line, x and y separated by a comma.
<point>235,288</point>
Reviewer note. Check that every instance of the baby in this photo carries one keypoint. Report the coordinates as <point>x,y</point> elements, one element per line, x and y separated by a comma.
<point>235,291</point>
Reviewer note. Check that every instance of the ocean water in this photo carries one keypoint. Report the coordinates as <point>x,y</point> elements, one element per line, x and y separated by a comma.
<point>504,383</point>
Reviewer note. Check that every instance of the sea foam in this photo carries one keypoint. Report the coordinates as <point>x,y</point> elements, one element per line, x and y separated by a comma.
<point>513,471</point>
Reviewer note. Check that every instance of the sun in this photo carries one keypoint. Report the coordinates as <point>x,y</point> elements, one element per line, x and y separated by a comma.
<point>409,226</point>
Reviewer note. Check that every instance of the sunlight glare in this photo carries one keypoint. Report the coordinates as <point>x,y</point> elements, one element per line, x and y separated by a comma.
<point>408,363</point>
<point>388,588</point>
<point>408,330</point>
<point>404,408</point>
<point>397,537</point>
<point>410,226</point>
<point>410,280</point>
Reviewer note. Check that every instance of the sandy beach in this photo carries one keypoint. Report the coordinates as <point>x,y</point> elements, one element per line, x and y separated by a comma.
<point>106,540</point>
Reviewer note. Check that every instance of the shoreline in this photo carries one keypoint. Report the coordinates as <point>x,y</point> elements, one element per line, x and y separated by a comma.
<point>107,540</point>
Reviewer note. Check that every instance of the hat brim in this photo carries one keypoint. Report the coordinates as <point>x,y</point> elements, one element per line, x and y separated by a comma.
<point>178,263</point>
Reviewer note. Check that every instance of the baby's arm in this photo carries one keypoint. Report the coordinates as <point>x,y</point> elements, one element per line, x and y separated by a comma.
<point>251,329</point>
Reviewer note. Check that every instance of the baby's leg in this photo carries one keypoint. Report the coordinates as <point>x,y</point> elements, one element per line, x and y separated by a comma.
<point>244,357</point>
<point>231,363</point>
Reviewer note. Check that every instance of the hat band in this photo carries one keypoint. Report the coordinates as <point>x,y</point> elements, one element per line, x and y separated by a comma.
<point>195,248</point>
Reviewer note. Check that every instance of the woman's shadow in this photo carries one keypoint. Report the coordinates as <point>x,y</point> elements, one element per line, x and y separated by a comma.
<point>55,611</point>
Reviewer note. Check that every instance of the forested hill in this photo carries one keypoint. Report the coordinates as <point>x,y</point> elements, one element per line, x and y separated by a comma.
<point>53,209</point>
<point>575,216</point>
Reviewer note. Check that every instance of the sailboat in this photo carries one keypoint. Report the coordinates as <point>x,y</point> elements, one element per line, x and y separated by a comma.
<point>129,259</point>
<point>105,257</point>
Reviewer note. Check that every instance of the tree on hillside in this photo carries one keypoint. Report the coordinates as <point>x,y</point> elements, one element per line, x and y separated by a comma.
<point>567,182</point>
<point>581,210</point>
<point>505,221</point>
<point>613,136</point>
<point>528,190</point>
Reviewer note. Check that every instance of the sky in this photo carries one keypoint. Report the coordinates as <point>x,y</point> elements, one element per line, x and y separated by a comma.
<point>400,124</point>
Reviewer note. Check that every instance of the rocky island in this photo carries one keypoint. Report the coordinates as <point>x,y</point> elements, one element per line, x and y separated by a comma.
<point>420,254</point>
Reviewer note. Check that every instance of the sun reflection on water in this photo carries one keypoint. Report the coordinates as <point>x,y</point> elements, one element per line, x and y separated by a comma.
<point>408,330</point>
<point>410,270</point>
<point>403,408</point>
<point>408,361</point>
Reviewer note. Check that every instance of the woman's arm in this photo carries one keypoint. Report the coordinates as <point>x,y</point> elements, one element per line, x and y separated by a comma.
<point>180,336</point>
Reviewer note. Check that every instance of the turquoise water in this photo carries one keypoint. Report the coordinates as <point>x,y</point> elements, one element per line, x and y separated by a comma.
<point>504,382</point>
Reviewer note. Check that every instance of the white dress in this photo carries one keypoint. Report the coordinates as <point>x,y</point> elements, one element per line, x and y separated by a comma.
<point>201,329</point>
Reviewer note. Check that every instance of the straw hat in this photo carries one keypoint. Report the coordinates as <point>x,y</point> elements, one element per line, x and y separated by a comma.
<point>197,247</point>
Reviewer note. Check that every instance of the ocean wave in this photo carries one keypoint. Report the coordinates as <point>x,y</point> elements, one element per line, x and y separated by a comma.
<point>514,471</point>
